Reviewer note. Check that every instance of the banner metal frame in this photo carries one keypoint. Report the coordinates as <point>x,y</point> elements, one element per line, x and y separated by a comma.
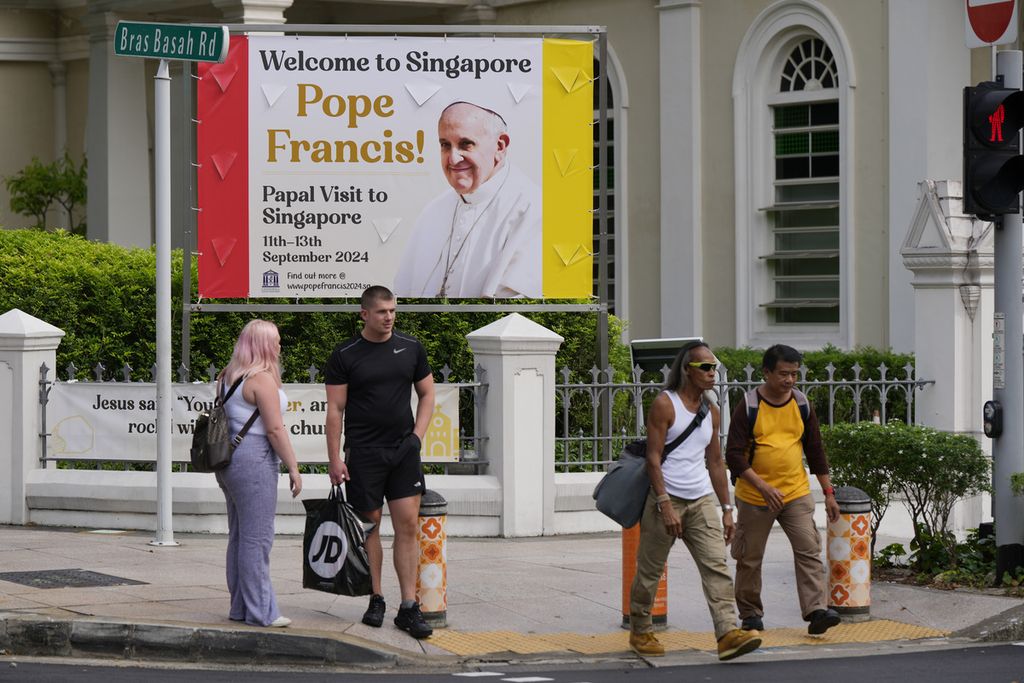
<point>190,197</point>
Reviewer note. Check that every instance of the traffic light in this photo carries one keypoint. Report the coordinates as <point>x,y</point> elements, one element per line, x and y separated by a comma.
<point>993,166</point>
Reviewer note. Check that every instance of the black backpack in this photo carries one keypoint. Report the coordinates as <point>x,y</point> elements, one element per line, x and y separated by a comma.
<point>212,443</point>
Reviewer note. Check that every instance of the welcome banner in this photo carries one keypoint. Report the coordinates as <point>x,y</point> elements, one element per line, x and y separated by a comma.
<point>458,167</point>
<point>114,420</point>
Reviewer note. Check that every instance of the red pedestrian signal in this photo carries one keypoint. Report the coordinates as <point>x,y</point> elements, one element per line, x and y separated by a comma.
<point>996,122</point>
<point>993,165</point>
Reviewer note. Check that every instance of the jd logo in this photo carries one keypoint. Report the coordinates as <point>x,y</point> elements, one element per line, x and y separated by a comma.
<point>327,550</point>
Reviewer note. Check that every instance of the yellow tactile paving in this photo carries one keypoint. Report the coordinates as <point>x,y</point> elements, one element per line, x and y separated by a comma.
<point>864,632</point>
<point>487,642</point>
<point>589,644</point>
<point>685,640</point>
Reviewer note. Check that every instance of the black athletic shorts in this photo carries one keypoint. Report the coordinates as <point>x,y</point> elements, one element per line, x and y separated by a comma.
<point>379,473</point>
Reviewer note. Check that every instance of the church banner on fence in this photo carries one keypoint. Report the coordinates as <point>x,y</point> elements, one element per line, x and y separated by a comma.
<point>117,421</point>
<point>441,167</point>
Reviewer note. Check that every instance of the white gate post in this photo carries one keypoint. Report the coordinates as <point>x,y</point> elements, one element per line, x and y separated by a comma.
<point>26,343</point>
<point>951,258</point>
<point>519,358</point>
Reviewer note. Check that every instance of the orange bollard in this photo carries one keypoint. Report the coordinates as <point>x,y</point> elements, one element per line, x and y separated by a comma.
<point>849,555</point>
<point>432,575</point>
<point>659,613</point>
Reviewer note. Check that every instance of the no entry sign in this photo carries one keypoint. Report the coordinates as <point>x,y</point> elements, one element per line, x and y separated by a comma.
<point>991,22</point>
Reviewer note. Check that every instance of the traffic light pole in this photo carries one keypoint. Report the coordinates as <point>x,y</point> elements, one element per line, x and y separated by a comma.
<point>1008,448</point>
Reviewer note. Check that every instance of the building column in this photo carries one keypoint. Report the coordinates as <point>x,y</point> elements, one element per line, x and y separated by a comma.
<point>950,258</point>
<point>117,141</point>
<point>58,77</point>
<point>253,11</point>
<point>518,356</point>
<point>681,243</point>
<point>927,67</point>
<point>26,343</point>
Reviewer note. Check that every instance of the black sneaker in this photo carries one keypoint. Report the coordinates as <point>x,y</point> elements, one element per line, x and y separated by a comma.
<point>374,615</point>
<point>411,619</point>
<point>752,623</point>
<point>822,620</point>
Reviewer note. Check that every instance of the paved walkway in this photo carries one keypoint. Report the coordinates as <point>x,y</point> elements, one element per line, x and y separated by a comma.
<point>522,596</point>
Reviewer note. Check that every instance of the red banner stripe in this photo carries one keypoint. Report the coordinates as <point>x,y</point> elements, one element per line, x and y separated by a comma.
<point>222,150</point>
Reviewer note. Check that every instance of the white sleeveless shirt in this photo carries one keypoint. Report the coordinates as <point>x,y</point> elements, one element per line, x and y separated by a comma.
<point>685,470</point>
<point>239,411</point>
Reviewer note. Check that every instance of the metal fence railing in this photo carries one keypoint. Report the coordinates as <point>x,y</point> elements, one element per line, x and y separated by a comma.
<point>596,419</point>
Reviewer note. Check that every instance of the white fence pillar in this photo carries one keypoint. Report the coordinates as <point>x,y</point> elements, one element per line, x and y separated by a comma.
<point>950,256</point>
<point>519,358</point>
<point>25,344</point>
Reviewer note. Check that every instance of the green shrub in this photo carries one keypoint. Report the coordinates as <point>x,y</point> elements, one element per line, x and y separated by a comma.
<point>935,471</point>
<point>103,297</point>
<point>859,455</point>
<point>837,404</point>
<point>930,468</point>
<point>1017,483</point>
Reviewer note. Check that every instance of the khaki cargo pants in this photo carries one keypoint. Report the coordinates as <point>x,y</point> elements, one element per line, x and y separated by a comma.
<point>702,534</point>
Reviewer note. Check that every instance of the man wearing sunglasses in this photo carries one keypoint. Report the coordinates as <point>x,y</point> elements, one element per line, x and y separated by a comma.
<point>766,456</point>
<point>688,484</point>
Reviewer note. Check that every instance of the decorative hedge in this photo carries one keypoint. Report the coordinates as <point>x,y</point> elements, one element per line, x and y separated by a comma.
<point>104,298</point>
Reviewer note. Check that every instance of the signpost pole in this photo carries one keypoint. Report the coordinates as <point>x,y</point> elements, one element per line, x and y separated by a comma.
<point>188,43</point>
<point>162,187</point>
<point>1007,453</point>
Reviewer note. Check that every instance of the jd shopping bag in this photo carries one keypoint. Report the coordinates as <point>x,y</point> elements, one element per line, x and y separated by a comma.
<point>334,547</point>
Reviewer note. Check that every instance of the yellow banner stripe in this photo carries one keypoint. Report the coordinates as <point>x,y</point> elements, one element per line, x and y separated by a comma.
<point>568,178</point>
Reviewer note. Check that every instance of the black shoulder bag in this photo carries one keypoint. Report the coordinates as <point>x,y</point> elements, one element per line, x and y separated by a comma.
<point>622,492</point>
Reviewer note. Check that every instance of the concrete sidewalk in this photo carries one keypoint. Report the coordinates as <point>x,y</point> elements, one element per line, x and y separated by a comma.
<point>556,596</point>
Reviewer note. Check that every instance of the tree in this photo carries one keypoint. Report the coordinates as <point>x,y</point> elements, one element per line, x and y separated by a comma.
<point>36,187</point>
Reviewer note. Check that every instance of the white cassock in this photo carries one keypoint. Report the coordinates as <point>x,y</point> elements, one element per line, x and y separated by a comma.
<point>483,244</point>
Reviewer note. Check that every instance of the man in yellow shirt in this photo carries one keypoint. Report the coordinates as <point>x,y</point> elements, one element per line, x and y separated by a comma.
<point>767,461</point>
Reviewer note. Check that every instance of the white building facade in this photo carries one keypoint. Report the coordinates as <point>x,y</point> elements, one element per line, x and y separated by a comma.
<point>767,156</point>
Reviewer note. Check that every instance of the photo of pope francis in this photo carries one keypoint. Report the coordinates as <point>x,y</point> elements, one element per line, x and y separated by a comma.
<point>482,237</point>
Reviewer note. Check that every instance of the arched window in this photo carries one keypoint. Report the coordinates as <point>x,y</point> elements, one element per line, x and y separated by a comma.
<point>804,216</point>
<point>793,90</point>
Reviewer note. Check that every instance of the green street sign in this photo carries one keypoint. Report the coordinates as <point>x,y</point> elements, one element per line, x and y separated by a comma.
<point>188,42</point>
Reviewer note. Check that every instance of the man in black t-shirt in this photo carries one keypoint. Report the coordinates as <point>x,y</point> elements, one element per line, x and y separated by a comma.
<point>369,382</point>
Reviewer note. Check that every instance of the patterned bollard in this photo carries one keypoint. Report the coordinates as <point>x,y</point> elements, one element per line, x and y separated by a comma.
<point>432,574</point>
<point>659,612</point>
<point>849,555</point>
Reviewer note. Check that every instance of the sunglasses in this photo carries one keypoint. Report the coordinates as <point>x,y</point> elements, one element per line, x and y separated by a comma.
<point>703,367</point>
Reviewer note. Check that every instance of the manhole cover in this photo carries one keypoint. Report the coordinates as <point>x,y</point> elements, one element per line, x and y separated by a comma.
<point>66,578</point>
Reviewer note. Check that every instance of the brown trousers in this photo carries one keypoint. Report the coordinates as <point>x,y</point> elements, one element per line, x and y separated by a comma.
<point>702,534</point>
<point>753,525</point>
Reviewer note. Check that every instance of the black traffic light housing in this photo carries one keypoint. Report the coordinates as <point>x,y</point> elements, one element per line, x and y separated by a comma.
<point>993,166</point>
<point>992,419</point>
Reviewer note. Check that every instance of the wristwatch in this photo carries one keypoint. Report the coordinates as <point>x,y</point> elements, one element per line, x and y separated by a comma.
<point>727,508</point>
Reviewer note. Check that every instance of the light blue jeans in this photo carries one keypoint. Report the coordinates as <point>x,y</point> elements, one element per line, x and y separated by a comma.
<point>249,484</point>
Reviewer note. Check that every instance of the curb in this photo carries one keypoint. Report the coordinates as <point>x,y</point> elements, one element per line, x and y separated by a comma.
<point>1004,627</point>
<point>41,636</point>
<point>54,637</point>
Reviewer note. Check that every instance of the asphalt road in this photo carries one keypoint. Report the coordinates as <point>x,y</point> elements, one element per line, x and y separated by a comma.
<point>1002,663</point>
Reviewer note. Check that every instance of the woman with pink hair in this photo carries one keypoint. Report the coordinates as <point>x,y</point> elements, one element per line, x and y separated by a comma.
<point>249,483</point>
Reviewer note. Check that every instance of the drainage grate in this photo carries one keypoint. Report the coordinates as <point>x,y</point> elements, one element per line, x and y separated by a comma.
<point>66,578</point>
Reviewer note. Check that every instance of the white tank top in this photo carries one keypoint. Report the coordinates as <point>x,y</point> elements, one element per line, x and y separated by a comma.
<point>685,471</point>
<point>239,411</point>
